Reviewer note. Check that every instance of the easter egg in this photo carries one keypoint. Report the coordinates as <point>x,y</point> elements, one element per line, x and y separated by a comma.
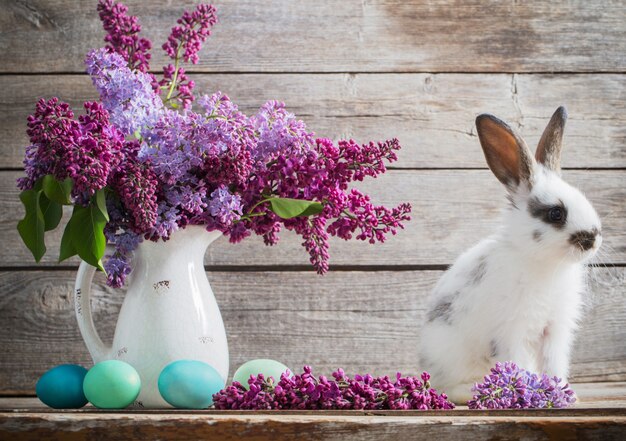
<point>189,384</point>
<point>62,387</point>
<point>269,368</point>
<point>112,384</point>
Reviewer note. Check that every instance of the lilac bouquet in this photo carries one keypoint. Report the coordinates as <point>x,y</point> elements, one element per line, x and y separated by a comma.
<point>510,387</point>
<point>305,391</point>
<point>140,163</point>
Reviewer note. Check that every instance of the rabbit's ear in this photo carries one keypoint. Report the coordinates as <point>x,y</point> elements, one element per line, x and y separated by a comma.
<point>507,155</point>
<point>549,149</point>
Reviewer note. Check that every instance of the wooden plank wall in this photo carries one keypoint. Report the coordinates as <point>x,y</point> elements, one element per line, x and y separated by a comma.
<point>368,69</point>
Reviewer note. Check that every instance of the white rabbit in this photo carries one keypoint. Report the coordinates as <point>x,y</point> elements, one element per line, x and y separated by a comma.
<point>516,295</point>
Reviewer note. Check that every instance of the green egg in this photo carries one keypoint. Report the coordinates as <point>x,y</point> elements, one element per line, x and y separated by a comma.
<point>112,384</point>
<point>269,368</point>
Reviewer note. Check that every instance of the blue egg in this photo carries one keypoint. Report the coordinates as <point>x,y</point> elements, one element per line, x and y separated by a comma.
<point>189,384</point>
<point>62,387</point>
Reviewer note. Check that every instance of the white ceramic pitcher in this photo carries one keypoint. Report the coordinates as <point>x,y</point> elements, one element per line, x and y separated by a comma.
<point>169,312</point>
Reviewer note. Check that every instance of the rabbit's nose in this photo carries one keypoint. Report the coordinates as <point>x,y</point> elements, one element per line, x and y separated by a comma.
<point>585,240</point>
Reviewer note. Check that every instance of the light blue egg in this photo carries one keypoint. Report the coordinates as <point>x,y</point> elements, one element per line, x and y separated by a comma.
<point>62,387</point>
<point>189,384</point>
<point>267,367</point>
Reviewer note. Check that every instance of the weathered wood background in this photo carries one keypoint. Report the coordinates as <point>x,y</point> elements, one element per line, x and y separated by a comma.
<point>367,69</point>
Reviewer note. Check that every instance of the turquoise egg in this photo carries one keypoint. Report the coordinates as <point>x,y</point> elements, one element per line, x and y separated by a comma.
<point>112,384</point>
<point>189,384</point>
<point>269,368</point>
<point>62,387</point>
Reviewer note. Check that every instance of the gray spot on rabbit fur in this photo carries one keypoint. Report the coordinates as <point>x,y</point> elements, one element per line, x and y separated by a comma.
<point>537,235</point>
<point>443,309</point>
<point>477,273</point>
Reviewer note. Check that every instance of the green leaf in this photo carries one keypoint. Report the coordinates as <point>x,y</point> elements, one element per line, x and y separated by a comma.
<point>314,208</point>
<point>101,203</point>
<point>67,246</point>
<point>57,191</point>
<point>87,234</point>
<point>288,208</point>
<point>32,227</point>
<point>52,212</point>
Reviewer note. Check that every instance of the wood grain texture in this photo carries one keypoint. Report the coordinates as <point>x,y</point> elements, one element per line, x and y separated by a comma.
<point>351,35</point>
<point>313,426</point>
<point>361,321</point>
<point>431,114</point>
<point>452,210</point>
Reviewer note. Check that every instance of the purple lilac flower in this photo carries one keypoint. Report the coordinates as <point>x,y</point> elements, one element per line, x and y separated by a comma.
<point>180,146</point>
<point>86,150</point>
<point>324,174</point>
<point>117,267</point>
<point>136,185</point>
<point>200,168</point>
<point>192,30</point>
<point>511,387</point>
<point>225,206</point>
<point>125,242</point>
<point>305,391</point>
<point>191,199</point>
<point>184,43</point>
<point>167,222</point>
<point>127,95</point>
<point>279,133</point>
<point>123,35</point>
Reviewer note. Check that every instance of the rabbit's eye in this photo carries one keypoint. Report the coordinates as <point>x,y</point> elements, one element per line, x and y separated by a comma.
<point>555,214</point>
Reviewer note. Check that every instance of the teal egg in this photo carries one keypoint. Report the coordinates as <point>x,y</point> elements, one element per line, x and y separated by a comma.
<point>62,387</point>
<point>112,384</point>
<point>189,384</point>
<point>269,368</point>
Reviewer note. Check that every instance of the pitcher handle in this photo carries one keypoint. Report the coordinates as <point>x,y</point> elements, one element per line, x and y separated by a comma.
<point>82,305</point>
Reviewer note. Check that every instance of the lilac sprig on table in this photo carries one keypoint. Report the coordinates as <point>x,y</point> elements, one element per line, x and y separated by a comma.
<point>306,391</point>
<point>136,168</point>
<point>511,387</point>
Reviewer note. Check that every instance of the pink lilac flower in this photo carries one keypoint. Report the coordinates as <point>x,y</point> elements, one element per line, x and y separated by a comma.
<point>123,35</point>
<point>511,387</point>
<point>127,95</point>
<point>305,391</point>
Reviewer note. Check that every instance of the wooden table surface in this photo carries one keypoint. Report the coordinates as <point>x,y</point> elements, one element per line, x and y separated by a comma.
<point>600,414</point>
